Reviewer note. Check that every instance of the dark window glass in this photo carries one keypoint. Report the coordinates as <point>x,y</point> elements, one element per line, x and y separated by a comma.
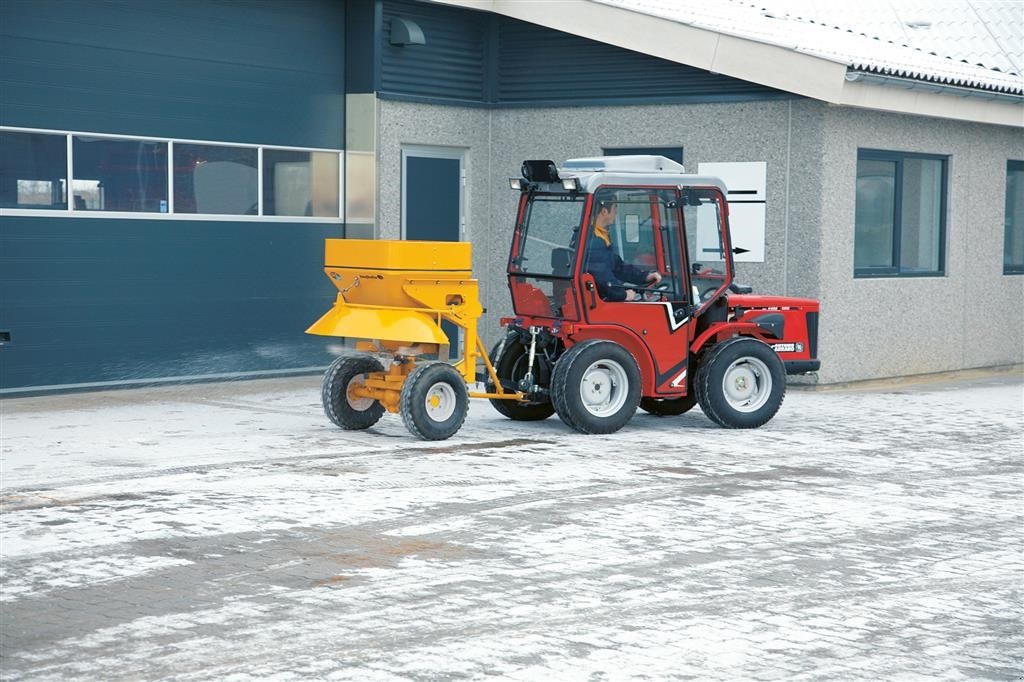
<point>673,153</point>
<point>921,216</point>
<point>899,220</point>
<point>33,170</point>
<point>212,179</point>
<point>875,214</point>
<point>300,183</point>
<point>119,175</point>
<point>1013,237</point>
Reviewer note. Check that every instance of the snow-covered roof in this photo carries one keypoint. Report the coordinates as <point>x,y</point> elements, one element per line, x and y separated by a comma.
<point>954,59</point>
<point>966,43</point>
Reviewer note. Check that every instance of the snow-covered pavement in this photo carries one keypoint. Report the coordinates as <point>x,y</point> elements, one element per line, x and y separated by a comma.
<point>229,531</point>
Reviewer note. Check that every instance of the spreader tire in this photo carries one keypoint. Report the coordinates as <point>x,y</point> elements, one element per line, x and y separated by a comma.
<point>740,383</point>
<point>668,407</point>
<point>342,409</point>
<point>510,360</point>
<point>434,401</point>
<point>596,387</point>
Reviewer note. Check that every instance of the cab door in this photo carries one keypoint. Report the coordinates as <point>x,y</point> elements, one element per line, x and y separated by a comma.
<point>647,233</point>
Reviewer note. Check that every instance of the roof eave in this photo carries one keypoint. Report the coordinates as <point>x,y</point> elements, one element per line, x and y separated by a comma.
<point>771,65</point>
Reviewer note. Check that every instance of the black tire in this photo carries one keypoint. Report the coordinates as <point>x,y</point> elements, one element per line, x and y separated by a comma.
<point>350,414</point>
<point>668,407</point>
<point>434,401</point>
<point>510,358</point>
<point>597,368</point>
<point>740,383</point>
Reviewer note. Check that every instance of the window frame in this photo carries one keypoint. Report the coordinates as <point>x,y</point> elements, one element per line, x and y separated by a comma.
<point>895,270</point>
<point>1012,268</point>
<point>70,211</point>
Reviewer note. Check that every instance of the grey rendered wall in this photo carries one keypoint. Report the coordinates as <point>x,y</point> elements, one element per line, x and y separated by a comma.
<point>971,316</point>
<point>455,128</point>
<point>870,328</point>
<point>786,134</point>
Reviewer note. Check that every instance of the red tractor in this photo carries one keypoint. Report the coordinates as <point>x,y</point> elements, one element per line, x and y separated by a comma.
<point>621,274</point>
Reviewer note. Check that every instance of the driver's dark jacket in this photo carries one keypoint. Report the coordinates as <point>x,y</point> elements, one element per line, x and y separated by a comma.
<point>610,271</point>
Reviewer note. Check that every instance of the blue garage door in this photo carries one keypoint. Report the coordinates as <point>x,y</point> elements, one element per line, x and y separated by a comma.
<point>103,298</point>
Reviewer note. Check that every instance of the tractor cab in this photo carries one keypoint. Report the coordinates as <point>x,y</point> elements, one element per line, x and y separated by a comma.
<point>589,233</point>
<point>623,265</point>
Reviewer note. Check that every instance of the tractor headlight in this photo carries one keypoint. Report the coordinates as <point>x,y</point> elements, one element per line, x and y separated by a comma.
<point>515,183</point>
<point>571,184</point>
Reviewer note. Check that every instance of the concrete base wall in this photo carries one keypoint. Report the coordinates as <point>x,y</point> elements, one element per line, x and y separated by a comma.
<point>869,328</point>
<point>970,317</point>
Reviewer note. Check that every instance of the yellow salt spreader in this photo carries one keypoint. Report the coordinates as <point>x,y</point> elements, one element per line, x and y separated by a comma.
<point>392,298</point>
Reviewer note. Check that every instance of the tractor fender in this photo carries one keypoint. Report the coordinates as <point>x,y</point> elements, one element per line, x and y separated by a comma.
<point>726,329</point>
<point>628,340</point>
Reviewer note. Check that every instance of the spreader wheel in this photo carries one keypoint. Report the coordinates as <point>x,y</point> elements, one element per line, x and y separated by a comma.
<point>668,407</point>
<point>596,387</point>
<point>434,401</point>
<point>345,410</point>
<point>510,360</point>
<point>740,383</point>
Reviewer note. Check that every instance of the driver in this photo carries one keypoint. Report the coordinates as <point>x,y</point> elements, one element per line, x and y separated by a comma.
<point>609,271</point>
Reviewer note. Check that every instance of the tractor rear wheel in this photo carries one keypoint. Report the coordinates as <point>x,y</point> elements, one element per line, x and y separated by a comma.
<point>668,407</point>
<point>342,408</point>
<point>596,387</point>
<point>434,401</point>
<point>510,360</point>
<point>740,383</point>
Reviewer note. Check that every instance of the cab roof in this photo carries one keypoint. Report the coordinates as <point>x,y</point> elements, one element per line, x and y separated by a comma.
<point>596,171</point>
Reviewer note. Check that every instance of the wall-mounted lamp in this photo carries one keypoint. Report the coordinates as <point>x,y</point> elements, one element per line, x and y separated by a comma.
<point>405,32</point>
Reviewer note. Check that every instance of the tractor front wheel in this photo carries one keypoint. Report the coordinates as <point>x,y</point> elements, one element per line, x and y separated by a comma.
<point>434,401</point>
<point>596,387</point>
<point>740,383</point>
<point>342,408</point>
<point>510,360</point>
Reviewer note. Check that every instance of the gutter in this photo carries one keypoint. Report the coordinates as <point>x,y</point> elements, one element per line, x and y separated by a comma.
<point>927,86</point>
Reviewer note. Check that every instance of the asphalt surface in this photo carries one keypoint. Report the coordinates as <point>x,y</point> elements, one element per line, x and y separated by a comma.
<point>229,531</point>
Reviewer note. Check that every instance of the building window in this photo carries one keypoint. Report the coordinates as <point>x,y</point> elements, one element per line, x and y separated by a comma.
<point>214,179</point>
<point>299,183</point>
<point>1013,237</point>
<point>134,177</point>
<point>33,170</point>
<point>673,153</point>
<point>119,175</point>
<point>900,216</point>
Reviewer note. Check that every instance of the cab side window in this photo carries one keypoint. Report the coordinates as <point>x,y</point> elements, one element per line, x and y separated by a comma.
<point>635,234</point>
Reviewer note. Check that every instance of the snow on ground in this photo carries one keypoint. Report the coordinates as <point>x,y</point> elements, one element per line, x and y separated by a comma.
<point>229,532</point>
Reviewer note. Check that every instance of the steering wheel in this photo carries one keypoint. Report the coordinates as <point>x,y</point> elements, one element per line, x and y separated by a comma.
<point>655,293</point>
<point>707,294</point>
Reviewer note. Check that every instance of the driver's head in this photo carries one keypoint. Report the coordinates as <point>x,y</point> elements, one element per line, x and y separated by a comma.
<point>606,211</point>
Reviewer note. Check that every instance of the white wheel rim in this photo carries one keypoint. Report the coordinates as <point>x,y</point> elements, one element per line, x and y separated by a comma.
<point>603,388</point>
<point>356,403</point>
<point>440,401</point>
<point>747,384</point>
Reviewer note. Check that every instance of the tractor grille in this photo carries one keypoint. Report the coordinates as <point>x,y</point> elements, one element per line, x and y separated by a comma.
<point>812,333</point>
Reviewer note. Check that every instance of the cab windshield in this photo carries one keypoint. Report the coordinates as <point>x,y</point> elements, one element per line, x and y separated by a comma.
<point>710,260</point>
<point>548,237</point>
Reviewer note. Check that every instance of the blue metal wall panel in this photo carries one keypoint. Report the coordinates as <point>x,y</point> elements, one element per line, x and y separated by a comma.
<point>93,300</point>
<point>452,63</point>
<point>100,300</point>
<point>480,59</point>
<point>565,69</point>
<point>262,71</point>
